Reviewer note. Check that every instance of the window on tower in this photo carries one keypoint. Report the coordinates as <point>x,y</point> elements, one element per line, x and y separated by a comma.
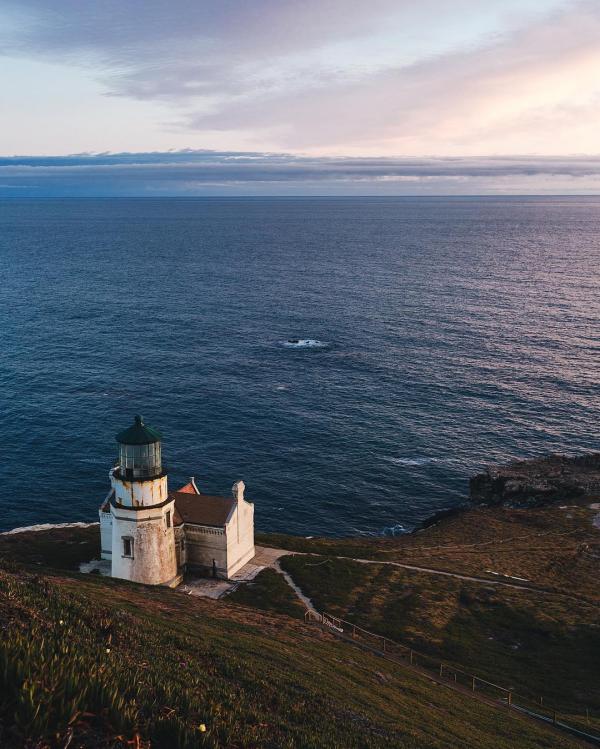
<point>168,518</point>
<point>127,546</point>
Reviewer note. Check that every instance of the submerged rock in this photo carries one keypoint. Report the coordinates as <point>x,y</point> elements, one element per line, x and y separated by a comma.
<point>536,482</point>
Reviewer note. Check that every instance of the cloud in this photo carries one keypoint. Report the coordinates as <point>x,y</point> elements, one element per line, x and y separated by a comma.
<point>322,76</point>
<point>520,92</point>
<point>238,173</point>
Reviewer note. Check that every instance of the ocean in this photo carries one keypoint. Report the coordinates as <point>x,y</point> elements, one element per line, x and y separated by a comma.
<point>451,333</point>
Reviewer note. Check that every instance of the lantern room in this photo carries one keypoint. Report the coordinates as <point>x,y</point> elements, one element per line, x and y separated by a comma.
<point>139,452</point>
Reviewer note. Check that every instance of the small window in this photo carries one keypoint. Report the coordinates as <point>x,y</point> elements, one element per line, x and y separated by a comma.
<point>127,546</point>
<point>168,518</point>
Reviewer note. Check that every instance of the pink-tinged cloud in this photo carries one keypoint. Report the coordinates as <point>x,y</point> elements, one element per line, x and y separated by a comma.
<point>329,76</point>
<point>537,90</point>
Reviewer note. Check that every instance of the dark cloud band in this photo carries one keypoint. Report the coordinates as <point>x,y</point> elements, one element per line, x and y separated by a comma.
<point>200,172</point>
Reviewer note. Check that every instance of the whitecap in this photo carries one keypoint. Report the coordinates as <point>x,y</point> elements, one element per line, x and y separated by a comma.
<point>303,343</point>
<point>394,530</point>
<point>46,527</point>
<point>413,461</point>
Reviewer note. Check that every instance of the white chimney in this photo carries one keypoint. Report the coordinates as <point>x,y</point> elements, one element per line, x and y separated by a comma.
<point>237,490</point>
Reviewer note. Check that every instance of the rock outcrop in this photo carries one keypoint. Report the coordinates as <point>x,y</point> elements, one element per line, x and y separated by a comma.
<point>532,483</point>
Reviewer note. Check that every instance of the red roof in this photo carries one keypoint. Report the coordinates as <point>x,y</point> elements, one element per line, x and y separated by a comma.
<point>188,489</point>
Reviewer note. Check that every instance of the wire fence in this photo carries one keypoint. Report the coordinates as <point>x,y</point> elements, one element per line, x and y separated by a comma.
<point>585,725</point>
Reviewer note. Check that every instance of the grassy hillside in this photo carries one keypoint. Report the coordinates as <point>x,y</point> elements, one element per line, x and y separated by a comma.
<point>554,547</point>
<point>542,640</point>
<point>540,645</point>
<point>90,662</point>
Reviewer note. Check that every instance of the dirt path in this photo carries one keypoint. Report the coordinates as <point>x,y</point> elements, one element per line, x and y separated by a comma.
<point>276,554</point>
<point>457,575</point>
<point>267,556</point>
<point>485,580</point>
<point>305,600</point>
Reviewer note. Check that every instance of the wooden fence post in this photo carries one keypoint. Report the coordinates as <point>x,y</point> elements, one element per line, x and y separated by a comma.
<point>510,699</point>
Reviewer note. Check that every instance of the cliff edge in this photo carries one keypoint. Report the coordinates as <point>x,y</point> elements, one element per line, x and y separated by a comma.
<point>536,482</point>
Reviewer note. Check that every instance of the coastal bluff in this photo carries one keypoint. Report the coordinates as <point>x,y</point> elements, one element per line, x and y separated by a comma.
<point>538,481</point>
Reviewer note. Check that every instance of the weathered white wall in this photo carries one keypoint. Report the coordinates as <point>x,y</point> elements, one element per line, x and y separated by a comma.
<point>154,560</point>
<point>139,493</point>
<point>240,536</point>
<point>105,534</point>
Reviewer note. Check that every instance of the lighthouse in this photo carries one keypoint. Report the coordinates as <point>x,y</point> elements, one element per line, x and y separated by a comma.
<point>143,540</point>
<point>152,535</point>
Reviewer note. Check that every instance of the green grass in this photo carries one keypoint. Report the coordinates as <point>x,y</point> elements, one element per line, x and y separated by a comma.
<point>268,592</point>
<point>352,547</point>
<point>106,661</point>
<point>59,548</point>
<point>539,645</point>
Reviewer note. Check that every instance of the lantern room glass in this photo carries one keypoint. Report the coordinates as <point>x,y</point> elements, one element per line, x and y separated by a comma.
<point>140,461</point>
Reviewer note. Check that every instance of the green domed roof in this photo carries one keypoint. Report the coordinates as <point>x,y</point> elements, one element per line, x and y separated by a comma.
<point>139,434</point>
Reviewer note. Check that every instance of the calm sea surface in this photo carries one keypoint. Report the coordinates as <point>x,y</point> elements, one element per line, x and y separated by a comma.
<point>459,332</point>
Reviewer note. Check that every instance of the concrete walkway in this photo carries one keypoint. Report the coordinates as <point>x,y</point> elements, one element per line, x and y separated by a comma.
<point>268,556</point>
<point>208,587</point>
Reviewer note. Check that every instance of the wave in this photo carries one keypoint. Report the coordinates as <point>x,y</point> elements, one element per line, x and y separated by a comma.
<point>391,530</point>
<point>303,343</point>
<point>414,461</point>
<point>394,530</point>
<point>46,527</point>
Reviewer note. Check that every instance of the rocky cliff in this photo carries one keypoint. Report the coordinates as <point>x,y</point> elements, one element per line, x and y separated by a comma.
<point>531,483</point>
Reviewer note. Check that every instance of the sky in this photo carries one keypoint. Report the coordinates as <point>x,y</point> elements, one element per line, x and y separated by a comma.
<point>290,97</point>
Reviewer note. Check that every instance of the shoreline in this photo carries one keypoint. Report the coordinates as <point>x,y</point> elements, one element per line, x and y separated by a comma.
<point>428,522</point>
<point>525,484</point>
<point>45,527</point>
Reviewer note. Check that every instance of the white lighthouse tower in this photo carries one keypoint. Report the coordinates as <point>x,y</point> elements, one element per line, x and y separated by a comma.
<point>142,513</point>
